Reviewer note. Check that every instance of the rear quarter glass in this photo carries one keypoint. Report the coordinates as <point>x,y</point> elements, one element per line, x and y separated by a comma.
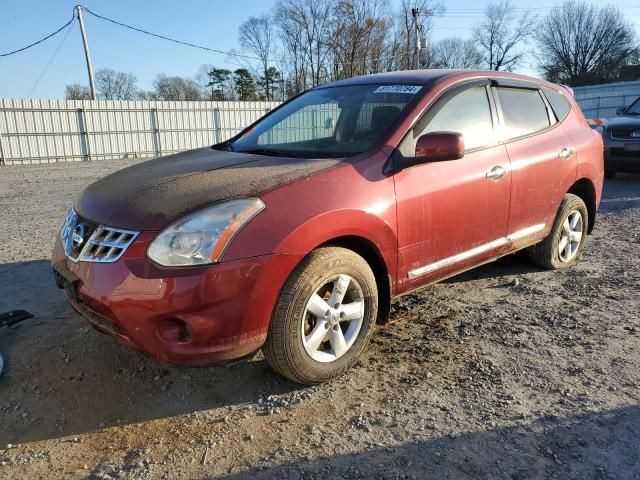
<point>559,104</point>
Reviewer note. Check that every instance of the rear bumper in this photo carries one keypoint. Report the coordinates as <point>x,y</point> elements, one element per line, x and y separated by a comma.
<point>191,316</point>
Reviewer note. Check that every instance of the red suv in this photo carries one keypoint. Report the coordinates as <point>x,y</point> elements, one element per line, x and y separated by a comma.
<point>294,235</point>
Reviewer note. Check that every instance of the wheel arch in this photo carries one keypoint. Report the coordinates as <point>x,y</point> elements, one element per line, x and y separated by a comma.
<point>372,255</point>
<point>585,189</point>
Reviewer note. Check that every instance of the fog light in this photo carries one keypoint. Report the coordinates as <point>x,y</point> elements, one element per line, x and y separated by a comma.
<point>174,330</point>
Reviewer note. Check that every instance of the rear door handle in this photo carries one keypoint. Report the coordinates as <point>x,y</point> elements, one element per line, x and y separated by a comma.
<point>496,172</point>
<point>565,153</point>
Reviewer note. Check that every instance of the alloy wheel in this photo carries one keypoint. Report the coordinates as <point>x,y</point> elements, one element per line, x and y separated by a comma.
<point>571,236</point>
<point>333,318</point>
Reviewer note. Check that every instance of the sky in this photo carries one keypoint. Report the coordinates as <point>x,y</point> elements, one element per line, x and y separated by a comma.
<point>43,71</point>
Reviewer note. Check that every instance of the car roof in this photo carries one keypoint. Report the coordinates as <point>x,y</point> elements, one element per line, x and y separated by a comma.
<point>414,77</point>
<point>431,76</point>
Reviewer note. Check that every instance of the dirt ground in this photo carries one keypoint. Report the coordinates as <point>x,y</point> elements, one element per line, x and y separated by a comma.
<point>504,372</point>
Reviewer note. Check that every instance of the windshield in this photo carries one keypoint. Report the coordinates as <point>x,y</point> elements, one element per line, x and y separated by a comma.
<point>634,109</point>
<point>330,122</point>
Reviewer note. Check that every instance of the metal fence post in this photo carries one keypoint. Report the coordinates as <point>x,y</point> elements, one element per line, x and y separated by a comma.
<point>2,161</point>
<point>217,124</point>
<point>155,127</point>
<point>84,135</point>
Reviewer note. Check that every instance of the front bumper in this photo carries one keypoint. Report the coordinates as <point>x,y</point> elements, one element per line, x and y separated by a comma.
<point>622,155</point>
<point>192,316</point>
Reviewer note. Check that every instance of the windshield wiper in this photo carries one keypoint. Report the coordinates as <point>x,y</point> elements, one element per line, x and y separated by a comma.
<point>269,152</point>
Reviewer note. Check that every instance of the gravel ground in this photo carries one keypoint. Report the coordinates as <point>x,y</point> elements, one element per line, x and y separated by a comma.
<point>504,372</point>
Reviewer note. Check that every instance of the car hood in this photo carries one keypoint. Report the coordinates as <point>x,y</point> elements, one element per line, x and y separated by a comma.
<point>152,194</point>
<point>631,121</point>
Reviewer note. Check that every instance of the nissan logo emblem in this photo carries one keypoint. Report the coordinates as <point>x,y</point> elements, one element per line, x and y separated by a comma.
<point>78,236</point>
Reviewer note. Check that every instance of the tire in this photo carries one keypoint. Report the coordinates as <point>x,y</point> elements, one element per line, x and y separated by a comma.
<point>547,253</point>
<point>294,330</point>
<point>610,173</point>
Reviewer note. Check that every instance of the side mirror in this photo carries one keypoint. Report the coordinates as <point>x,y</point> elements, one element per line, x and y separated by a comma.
<point>439,146</point>
<point>620,110</point>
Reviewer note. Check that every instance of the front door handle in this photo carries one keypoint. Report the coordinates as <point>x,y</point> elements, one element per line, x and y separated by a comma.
<point>565,153</point>
<point>496,172</point>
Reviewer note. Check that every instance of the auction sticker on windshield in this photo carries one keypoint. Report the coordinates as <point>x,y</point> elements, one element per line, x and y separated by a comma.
<point>411,89</point>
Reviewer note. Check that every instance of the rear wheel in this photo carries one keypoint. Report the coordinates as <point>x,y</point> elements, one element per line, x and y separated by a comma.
<point>324,318</point>
<point>563,246</point>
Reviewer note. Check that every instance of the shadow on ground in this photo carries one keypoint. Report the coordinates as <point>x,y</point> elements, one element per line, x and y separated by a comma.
<point>63,378</point>
<point>70,380</point>
<point>593,445</point>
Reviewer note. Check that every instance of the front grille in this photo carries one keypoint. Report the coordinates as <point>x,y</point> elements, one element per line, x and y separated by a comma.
<point>85,241</point>
<point>626,133</point>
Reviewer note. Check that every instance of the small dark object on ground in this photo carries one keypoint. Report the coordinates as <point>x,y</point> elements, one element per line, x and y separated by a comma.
<point>11,318</point>
<point>14,316</point>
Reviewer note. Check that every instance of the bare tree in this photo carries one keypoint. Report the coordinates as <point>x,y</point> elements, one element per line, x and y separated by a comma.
<point>360,31</point>
<point>116,85</point>
<point>176,88</point>
<point>256,36</point>
<point>311,22</point>
<point>456,53</point>
<point>77,92</point>
<point>581,43</point>
<point>290,52</point>
<point>502,33</point>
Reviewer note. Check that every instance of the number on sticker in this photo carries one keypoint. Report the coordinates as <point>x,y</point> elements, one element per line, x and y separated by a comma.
<point>410,89</point>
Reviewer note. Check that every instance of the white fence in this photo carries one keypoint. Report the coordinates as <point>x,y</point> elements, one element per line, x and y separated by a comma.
<point>601,101</point>
<point>44,131</point>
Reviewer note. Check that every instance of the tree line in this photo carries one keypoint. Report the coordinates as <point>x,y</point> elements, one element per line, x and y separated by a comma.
<point>300,44</point>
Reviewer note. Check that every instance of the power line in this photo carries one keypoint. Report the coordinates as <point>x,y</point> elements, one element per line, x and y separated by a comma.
<point>169,39</point>
<point>202,47</point>
<point>73,17</point>
<point>35,85</point>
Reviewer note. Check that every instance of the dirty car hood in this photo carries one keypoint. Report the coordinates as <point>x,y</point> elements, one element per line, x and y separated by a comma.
<point>152,194</point>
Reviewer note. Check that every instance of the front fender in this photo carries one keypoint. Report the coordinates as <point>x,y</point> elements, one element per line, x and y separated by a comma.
<point>342,223</point>
<point>350,200</point>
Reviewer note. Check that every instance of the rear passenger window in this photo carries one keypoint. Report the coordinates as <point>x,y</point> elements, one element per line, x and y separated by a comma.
<point>560,105</point>
<point>468,113</point>
<point>523,111</point>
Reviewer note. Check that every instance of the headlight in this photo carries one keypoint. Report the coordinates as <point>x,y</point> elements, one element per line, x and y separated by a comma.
<point>202,237</point>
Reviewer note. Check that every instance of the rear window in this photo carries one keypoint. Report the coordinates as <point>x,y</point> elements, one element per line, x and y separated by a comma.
<point>523,110</point>
<point>560,105</point>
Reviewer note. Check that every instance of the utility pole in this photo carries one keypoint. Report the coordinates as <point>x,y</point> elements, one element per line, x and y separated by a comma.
<point>416,13</point>
<point>87,54</point>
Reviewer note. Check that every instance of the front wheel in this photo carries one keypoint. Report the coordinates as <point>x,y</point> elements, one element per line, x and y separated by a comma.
<point>563,246</point>
<point>324,317</point>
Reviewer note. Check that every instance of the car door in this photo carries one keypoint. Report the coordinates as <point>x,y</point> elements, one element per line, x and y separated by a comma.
<point>453,214</point>
<point>543,160</point>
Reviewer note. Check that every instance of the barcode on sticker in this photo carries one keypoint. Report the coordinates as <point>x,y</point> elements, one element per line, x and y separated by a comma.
<point>410,89</point>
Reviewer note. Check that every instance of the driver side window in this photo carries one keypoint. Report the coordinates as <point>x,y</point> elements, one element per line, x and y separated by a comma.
<point>468,113</point>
